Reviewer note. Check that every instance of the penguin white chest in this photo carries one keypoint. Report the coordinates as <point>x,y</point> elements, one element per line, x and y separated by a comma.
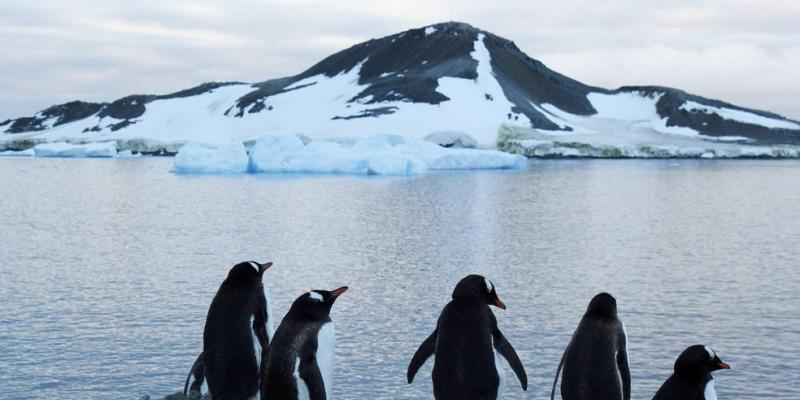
<point>302,388</point>
<point>711,391</point>
<point>256,343</point>
<point>501,375</point>
<point>498,365</point>
<point>325,345</point>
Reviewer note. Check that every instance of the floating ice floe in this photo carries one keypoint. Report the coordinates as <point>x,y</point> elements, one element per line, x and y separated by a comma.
<point>220,158</point>
<point>22,153</point>
<point>63,149</point>
<point>375,155</point>
<point>128,154</point>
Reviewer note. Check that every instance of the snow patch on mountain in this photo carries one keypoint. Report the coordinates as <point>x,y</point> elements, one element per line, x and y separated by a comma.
<point>740,116</point>
<point>617,113</point>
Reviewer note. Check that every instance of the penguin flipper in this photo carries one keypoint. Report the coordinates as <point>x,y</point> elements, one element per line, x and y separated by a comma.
<point>558,372</point>
<point>425,350</point>
<point>622,366</point>
<point>309,371</point>
<point>502,345</point>
<point>198,372</point>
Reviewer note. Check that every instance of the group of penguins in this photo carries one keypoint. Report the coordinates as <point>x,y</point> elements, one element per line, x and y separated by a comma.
<point>242,358</point>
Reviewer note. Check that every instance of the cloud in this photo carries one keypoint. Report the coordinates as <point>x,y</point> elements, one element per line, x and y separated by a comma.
<point>98,50</point>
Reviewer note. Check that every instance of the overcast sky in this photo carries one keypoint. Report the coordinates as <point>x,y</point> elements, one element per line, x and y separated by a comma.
<point>743,51</point>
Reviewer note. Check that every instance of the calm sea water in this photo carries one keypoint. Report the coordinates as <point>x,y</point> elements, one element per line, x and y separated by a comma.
<point>107,267</point>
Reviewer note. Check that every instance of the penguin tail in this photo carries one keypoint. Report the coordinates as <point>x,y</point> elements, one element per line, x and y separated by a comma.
<point>195,379</point>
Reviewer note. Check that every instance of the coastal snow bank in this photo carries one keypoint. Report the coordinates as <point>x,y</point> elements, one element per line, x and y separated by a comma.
<point>63,149</point>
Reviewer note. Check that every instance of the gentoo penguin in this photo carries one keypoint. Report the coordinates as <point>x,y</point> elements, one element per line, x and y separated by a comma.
<point>692,378</point>
<point>299,364</point>
<point>468,345</point>
<point>595,362</point>
<point>236,336</point>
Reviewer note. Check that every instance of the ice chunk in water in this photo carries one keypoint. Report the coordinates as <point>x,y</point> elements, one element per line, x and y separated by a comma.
<point>219,158</point>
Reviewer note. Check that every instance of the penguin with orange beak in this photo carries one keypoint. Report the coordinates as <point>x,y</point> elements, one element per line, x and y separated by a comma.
<point>692,378</point>
<point>468,346</point>
<point>299,364</point>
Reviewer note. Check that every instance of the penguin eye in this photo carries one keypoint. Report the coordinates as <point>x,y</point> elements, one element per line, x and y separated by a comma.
<point>315,296</point>
<point>489,285</point>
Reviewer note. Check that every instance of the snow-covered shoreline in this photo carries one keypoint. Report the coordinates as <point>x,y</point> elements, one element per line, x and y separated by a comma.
<point>641,143</point>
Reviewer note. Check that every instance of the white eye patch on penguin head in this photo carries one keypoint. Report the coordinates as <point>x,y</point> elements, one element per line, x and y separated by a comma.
<point>316,303</point>
<point>316,296</point>
<point>699,360</point>
<point>711,353</point>
<point>248,271</point>
<point>477,287</point>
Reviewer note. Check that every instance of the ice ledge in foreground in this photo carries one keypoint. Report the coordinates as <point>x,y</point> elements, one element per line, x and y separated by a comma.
<point>374,155</point>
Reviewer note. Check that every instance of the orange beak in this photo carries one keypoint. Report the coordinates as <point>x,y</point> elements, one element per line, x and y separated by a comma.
<point>264,267</point>
<point>499,303</point>
<point>723,365</point>
<point>338,292</point>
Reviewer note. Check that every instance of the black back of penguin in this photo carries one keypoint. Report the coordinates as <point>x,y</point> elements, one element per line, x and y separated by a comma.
<point>691,379</point>
<point>299,365</point>
<point>235,337</point>
<point>466,343</point>
<point>595,363</point>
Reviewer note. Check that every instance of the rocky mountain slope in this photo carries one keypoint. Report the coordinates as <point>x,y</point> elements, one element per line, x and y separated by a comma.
<point>448,78</point>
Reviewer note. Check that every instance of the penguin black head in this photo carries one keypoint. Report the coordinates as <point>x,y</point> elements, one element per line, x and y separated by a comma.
<point>477,287</point>
<point>248,271</point>
<point>316,303</point>
<point>698,361</point>
<point>603,305</point>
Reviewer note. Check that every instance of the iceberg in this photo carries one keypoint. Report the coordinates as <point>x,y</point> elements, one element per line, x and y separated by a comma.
<point>220,158</point>
<point>451,138</point>
<point>64,149</point>
<point>128,154</point>
<point>22,153</point>
<point>374,155</point>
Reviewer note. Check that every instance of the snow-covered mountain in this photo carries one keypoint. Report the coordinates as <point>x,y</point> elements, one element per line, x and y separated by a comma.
<point>440,79</point>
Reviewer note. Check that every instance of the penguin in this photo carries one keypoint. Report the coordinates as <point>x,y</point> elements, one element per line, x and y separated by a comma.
<point>236,336</point>
<point>468,346</point>
<point>595,362</point>
<point>299,364</point>
<point>692,378</point>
